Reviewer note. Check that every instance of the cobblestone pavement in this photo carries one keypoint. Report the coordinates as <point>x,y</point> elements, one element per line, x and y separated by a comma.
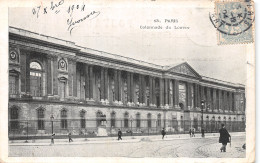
<point>197,148</point>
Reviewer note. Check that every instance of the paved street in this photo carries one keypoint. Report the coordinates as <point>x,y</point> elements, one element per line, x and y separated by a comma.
<point>191,147</point>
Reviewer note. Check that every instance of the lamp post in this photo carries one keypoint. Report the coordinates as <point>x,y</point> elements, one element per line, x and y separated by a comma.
<point>131,120</point>
<point>202,107</point>
<point>52,123</point>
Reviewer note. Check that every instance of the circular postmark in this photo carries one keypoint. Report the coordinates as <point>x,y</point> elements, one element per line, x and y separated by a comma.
<point>233,18</point>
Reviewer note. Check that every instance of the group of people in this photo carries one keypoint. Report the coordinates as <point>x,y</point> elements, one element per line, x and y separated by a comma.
<point>192,132</point>
<point>224,136</point>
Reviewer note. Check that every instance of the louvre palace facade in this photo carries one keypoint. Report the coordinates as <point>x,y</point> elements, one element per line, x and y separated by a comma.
<point>80,89</point>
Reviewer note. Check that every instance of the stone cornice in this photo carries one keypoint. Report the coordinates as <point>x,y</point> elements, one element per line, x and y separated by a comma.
<point>42,49</point>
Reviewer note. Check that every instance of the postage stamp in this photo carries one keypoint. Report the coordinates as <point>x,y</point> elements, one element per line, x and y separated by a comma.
<point>234,21</point>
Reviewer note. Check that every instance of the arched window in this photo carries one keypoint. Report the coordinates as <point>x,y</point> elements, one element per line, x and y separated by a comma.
<point>35,79</point>
<point>14,118</point>
<point>113,119</point>
<point>138,121</point>
<point>82,119</point>
<point>64,123</point>
<point>40,116</point>
<point>149,120</point>
<point>126,116</point>
<point>159,120</point>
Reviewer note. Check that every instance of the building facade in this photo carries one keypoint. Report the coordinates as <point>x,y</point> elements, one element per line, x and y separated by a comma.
<point>79,89</point>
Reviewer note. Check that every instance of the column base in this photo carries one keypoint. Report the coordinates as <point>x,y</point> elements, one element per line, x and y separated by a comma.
<point>220,111</point>
<point>215,111</point>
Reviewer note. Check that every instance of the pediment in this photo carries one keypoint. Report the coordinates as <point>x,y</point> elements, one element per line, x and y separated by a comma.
<point>185,69</point>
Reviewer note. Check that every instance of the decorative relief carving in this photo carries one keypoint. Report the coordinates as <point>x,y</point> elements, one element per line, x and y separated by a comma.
<point>62,64</point>
<point>14,55</point>
<point>183,69</point>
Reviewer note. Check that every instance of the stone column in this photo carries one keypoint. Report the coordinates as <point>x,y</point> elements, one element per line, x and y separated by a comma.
<point>91,82</point>
<point>86,82</point>
<point>144,88</point>
<point>199,96</point>
<point>119,85</point>
<point>209,98</point>
<point>74,78</point>
<point>106,84</point>
<point>154,95</point>
<point>161,92</point>
<point>128,87</point>
<point>116,85</point>
<point>195,95</point>
<point>49,75</point>
<point>232,101</point>
<point>166,92</point>
<point>214,99</point>
<point>55,75</point>
<point>220,100</point>
<point>132,87</point>
<point>140,88</point>
<point>189,100</point>
<point>151,90</point>
<point>202,94</point>
<point>27,74</point>
<point>225,101</point>
<point>176,93</point>
<point>102,84</point>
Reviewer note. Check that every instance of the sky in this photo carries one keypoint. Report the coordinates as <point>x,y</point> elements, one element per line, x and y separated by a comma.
<point>118,28</point>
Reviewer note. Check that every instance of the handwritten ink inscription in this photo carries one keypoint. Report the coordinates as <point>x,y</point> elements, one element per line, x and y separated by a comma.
<point>56,7</point>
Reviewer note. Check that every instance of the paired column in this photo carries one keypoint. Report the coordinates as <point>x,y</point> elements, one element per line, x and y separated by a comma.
<point>189,97</point>
<point>176,93</point>
<point>208,98</point>
<point>129,87</point>
<point>132,87</point>
<point>214,101</point>
<point>86,82</point>
<point>166,92</point>
<point>225,107</point>
<point>220,100</point>
<point>150,90</point>
<point>161,92</point>
<point>49,75</point>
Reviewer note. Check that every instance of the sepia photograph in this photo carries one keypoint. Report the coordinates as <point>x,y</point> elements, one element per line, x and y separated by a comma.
<point>142,79</point>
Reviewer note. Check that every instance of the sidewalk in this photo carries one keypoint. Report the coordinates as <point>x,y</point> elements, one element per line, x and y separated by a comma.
<point>126,139</point>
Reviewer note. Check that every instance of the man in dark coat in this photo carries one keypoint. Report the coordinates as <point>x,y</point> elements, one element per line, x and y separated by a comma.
<point>70,139</point>
<point>119,134</point>
<point>224,138</point>
<point>163,133</point>
<point>202,132</point>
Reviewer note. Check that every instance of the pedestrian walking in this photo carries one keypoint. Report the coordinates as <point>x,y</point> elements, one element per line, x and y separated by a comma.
<point>163,133</point>
<point>193,132</point>
<point>70,139</point>
<point>190,132</point>
<point>119,134</point>
<point>202,133</point>
<point>224,138</point>
<point>52,138</point>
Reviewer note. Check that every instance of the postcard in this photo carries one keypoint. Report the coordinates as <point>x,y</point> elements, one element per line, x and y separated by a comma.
<point>128,81</point>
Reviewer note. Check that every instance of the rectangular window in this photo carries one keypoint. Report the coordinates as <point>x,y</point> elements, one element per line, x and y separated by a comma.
<point>149,123</point>
<point>64,123</point>
<point>126,122</point>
